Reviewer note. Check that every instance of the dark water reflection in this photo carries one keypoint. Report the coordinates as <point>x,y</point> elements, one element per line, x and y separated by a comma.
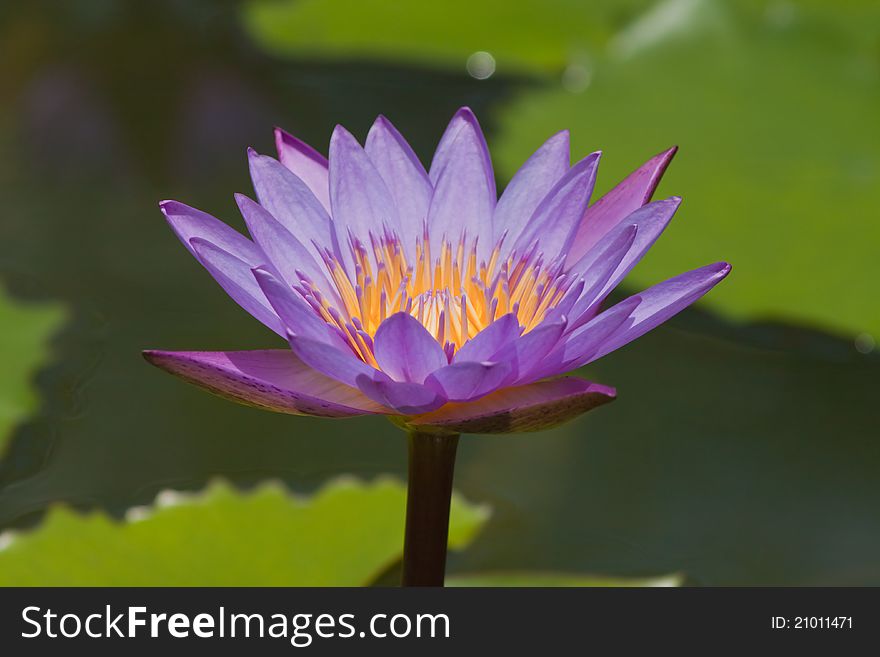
<point>737,455</point>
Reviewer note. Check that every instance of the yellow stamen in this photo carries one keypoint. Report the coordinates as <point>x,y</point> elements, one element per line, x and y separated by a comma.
<point>454,297</point>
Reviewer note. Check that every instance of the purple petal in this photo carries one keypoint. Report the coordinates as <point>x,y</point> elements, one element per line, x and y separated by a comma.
<point>273,380</point>
<point>359,198</point>
<point>487,342</point>
<point>527,351</point>
<point>556,218</point>
<point>580,347</point>
<point>405,397</point>
<point>651,220</point>
<point>405,350</point>
<point>307,163</point>
<point>629,195</point>
<point>605,259</point>
<point>529,186</point>
<point>284,251</point>
<point>567,302</point>
<point>234,275</point>
<point>662,301</point>
<point>187,223</point>
<point>405,178</point>
<point>292,203</point>
<point>338,364</point>
<point>533,407</point>
<point>464,185</point>
<point>295,313</point>
<point>461,382</point>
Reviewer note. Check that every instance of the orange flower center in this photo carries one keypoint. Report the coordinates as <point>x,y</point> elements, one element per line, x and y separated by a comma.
<point>451,295</point>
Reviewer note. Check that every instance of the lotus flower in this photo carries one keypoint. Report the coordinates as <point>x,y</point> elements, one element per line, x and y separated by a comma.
<point>422,295</point>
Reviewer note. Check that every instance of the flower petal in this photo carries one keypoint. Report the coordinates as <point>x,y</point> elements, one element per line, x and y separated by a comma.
<point>292,203</point>
<point>234,275</point>
<point>629,195</point>
<point>294,312</point>
<point>464,186</point>
<point>529,186</point>
<point>338,364</point>
<point>533,407</point>
<point>274,380</point>
<point>527,351</point>
<point>306,163</point>
<point>405,350</point>
<point>556,218</point>
<point>188,222</point>
<point>405,178</point>
<point>604,259</point>
<point>662,301</point>
<point>468,380</point>
<point>405,397</point>
<point>651,220</point>
<point>487,342</point>
<point>359,198</point>
<point>289,256</point>
<point>580,346</point>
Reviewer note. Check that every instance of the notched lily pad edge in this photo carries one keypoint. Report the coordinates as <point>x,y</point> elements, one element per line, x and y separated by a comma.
<point>169,497</point>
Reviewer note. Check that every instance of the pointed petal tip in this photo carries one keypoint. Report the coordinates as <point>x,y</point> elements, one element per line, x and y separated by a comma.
<point>340,132</point>
<point>176,215</point>
<point>286,144</point>
<point>586,164</point>
<point>717,270</point>
<point>170,207</point>
<point>466,114</point>
<point>673,201</point>
<point>262,272</point>
<point>255,157</point>
<point>383,124</point>
<point>284,141</point>
<point>601,389</point>
<point>660,163</point>
<point>151,355</point>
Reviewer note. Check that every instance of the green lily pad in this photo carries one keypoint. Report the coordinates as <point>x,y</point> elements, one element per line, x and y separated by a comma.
<point>779,161</point>
<point>561,580</point>
<point>25,328</point>
<point>344,535</point>
<point>522,37</point>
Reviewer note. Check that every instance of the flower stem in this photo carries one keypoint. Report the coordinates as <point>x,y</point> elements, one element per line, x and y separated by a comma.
<point>429,493</point>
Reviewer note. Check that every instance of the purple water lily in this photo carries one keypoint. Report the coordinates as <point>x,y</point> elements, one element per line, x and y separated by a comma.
<point>422,294</point>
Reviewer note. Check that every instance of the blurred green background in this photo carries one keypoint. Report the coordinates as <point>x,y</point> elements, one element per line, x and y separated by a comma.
<point>743,448</point>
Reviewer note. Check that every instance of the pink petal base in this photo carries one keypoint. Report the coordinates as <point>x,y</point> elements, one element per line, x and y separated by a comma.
<point>532,407</point>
